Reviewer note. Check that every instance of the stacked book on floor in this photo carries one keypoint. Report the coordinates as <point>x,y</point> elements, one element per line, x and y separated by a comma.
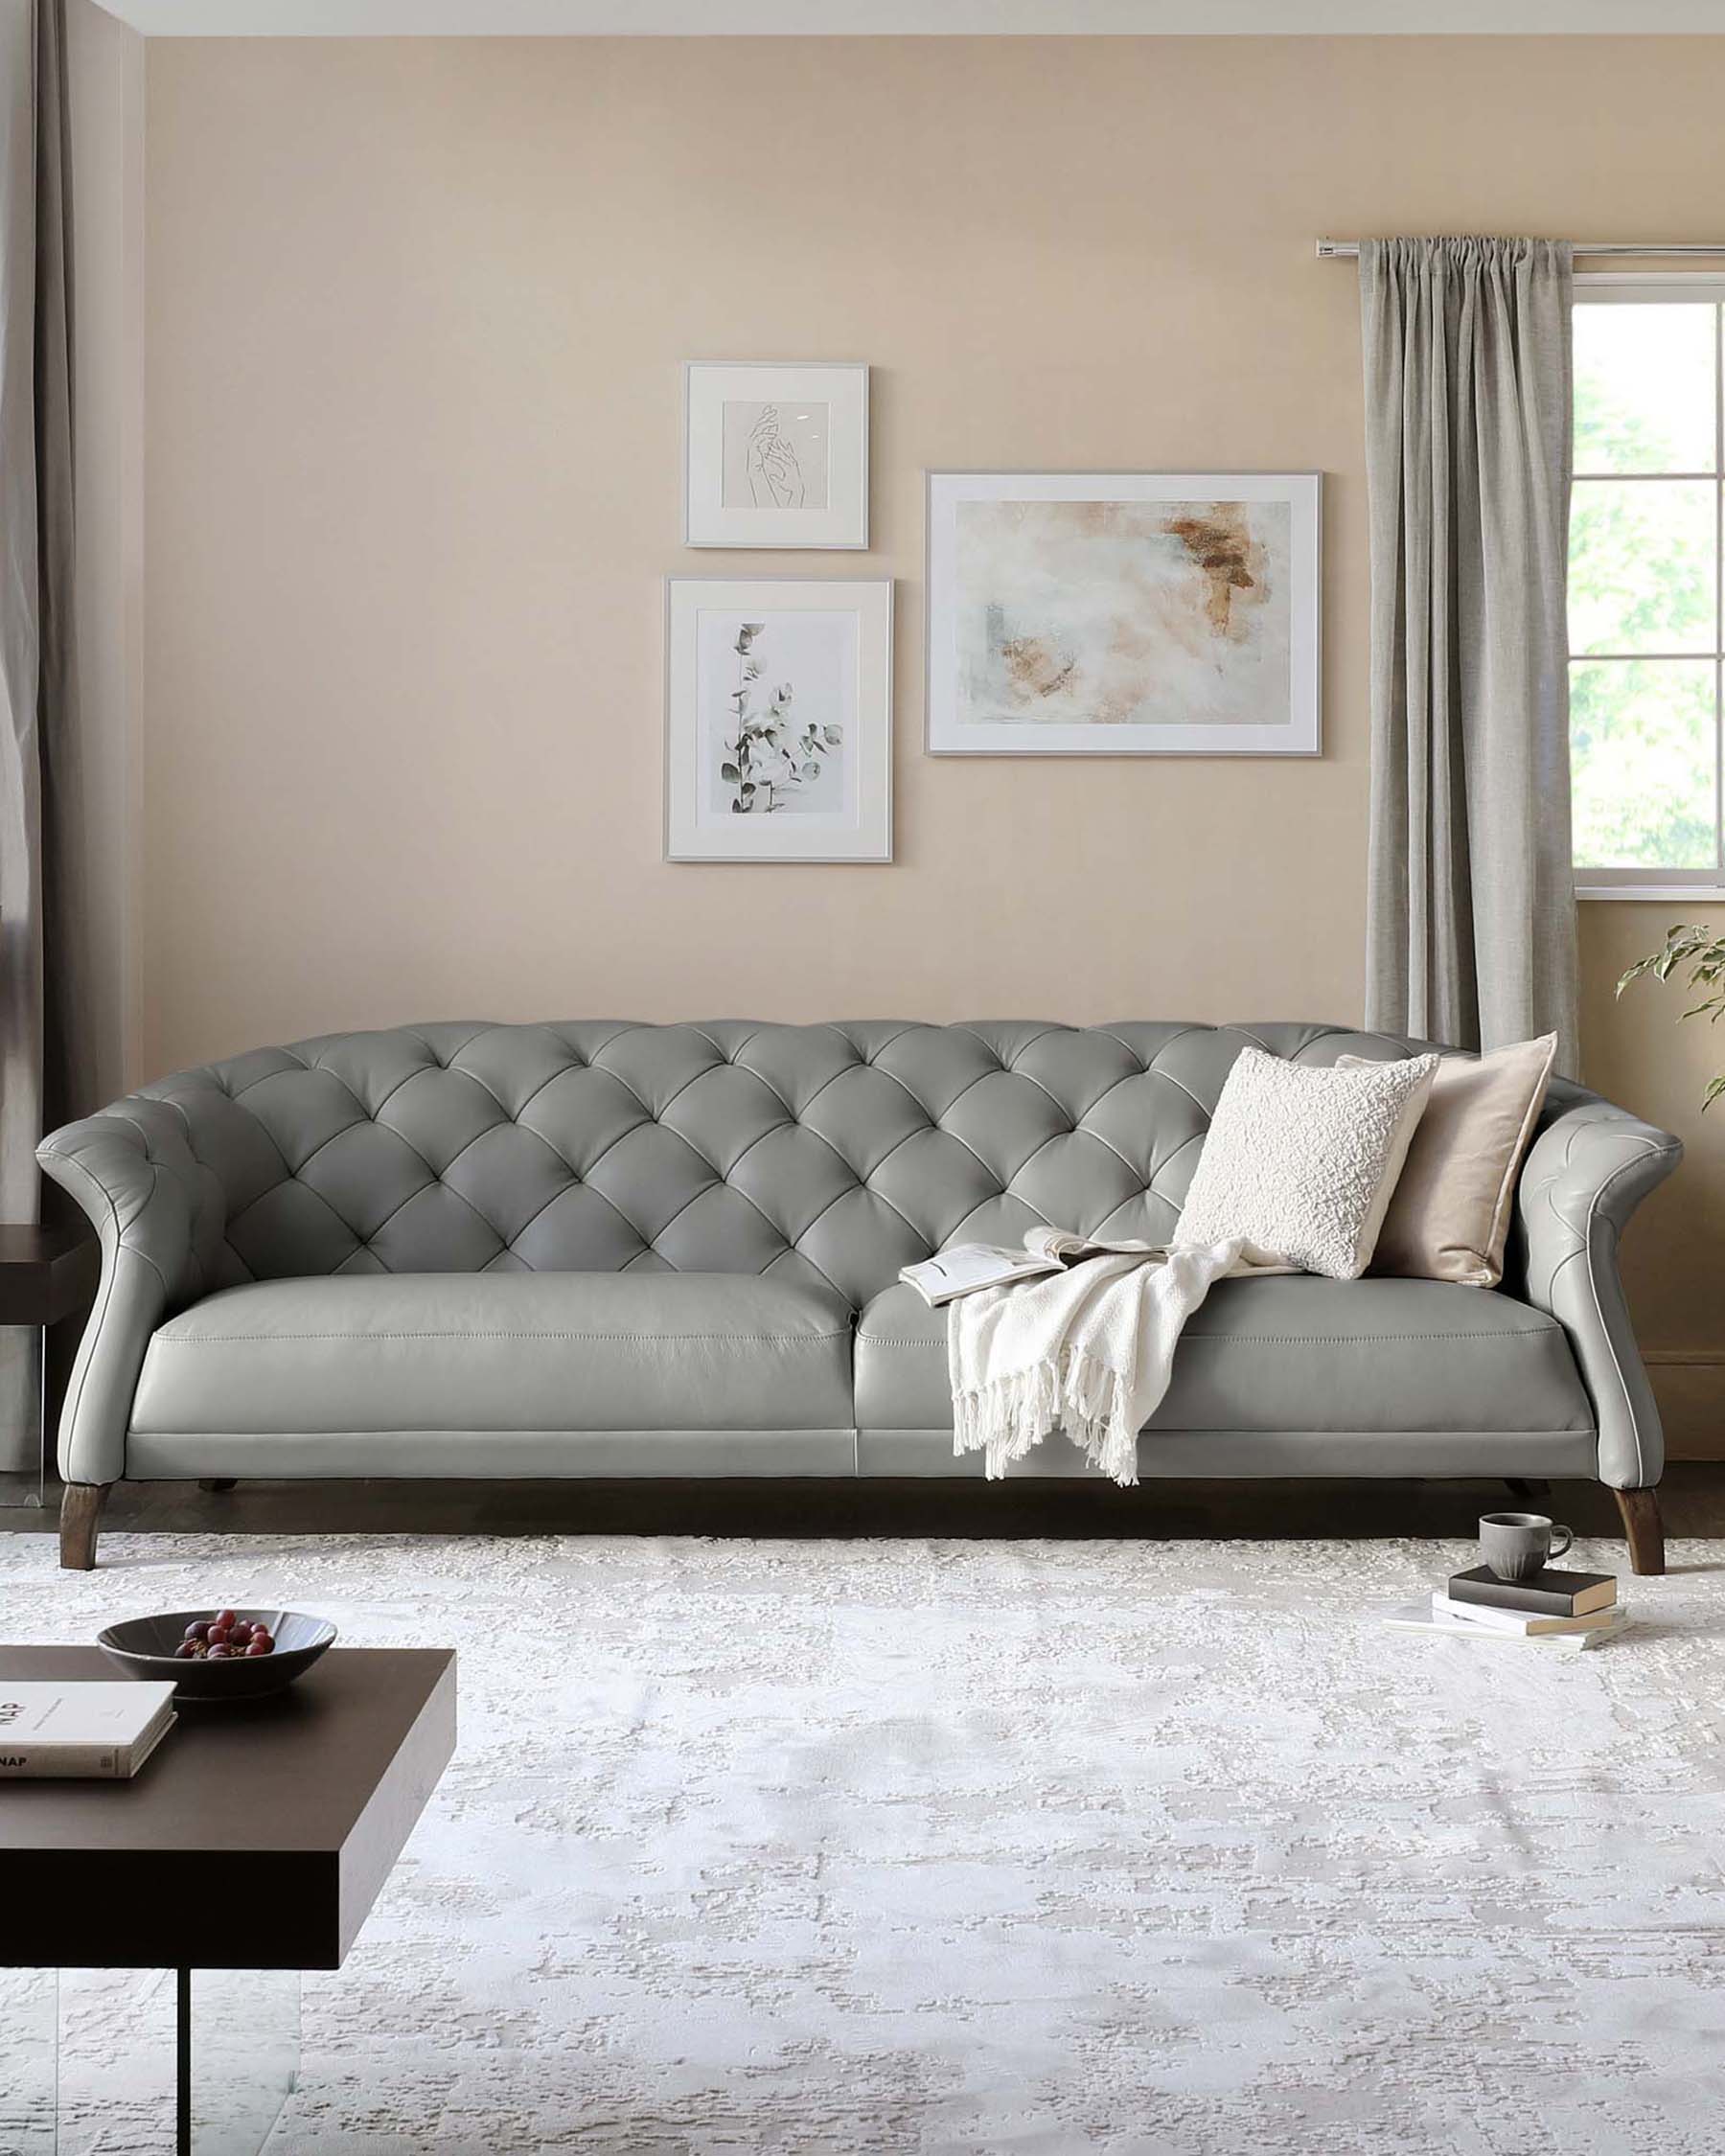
<point>1572,1611</point>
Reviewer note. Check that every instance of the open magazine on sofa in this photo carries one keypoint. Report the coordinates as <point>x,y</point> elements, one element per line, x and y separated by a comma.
<point>969,1265</point>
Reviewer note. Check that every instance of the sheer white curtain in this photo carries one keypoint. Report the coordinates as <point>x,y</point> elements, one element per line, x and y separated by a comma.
<point>1471,913</point>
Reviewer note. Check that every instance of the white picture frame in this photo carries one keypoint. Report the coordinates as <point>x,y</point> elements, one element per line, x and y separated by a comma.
<point>1049,625</point>
<point>776,453</point>
<point>778,720</point>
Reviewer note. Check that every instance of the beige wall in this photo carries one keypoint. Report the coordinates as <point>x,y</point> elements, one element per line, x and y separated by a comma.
<point>106,88</point>
<point>416,312</point>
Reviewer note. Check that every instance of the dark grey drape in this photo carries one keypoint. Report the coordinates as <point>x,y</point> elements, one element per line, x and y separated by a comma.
<point>1471,914</point>
<point>42,974</point>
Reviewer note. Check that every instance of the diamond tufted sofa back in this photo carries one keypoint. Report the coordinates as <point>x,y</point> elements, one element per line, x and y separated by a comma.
<point>832,1152</point>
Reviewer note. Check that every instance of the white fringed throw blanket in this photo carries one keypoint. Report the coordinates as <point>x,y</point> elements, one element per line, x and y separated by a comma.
<point>1088,1351</point>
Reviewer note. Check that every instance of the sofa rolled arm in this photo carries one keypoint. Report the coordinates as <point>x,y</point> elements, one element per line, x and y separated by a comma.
<point>150,1203</point>
<point>1588,1169</point>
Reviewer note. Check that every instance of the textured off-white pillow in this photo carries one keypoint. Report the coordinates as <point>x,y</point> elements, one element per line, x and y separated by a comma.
<point>1449,1217</point>
<point>1300,1161</point>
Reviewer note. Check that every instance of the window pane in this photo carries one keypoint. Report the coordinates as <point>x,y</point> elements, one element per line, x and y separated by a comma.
<point>1645,388</point>
<point>1643,742</point>
<point>1641,576</point>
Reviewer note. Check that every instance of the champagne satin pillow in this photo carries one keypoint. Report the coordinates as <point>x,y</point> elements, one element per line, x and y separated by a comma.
<point>1449,1213</point>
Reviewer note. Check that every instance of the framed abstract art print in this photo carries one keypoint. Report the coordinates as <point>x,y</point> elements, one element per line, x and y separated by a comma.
<point>1124,613</point>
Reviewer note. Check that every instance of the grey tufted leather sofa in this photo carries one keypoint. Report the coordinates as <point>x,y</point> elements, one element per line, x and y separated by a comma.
<point>623,1249</point>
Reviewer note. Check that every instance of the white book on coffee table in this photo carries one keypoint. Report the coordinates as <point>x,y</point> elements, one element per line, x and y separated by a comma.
<point>82,1730</point>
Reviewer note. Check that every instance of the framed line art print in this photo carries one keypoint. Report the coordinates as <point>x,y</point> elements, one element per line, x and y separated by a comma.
<point>776,453</point>
<point>1124,613</point>
<point>778,720</point>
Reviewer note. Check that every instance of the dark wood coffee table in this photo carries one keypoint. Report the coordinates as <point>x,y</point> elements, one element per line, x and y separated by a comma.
<point>256,1838</point>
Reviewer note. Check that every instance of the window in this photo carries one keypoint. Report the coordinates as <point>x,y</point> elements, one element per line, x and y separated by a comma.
<point>1647,606</point>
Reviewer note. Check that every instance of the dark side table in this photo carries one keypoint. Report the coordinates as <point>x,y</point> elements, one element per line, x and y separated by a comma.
<point>254,1839</point>
<point>46,1274</point>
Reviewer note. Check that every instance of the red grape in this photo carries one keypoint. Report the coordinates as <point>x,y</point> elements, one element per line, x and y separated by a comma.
<point>226,1636</point>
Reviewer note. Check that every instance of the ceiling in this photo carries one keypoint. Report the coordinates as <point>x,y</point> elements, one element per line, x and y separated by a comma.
<point>672,18</point>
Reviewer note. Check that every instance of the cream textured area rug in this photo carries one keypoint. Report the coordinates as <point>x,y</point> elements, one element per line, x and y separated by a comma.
<point>1156,1849</point>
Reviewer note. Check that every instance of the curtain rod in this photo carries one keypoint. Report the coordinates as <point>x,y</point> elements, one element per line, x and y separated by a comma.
<point>1346,250</point>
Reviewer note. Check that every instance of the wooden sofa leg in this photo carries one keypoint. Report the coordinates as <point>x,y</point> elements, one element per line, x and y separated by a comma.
<point>1645,1528</point>
<point>79,1521</point>
<point>215,1485</point>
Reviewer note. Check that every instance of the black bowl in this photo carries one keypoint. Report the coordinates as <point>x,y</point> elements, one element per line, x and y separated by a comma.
<point>143,1647</point>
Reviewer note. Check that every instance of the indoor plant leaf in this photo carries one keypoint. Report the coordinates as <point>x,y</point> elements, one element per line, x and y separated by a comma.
<point>1693,945</point>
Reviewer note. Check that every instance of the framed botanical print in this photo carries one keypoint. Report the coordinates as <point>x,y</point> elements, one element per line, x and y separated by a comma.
<point>1124,613</point>
<point>776,453</point>
<point>778,720</point>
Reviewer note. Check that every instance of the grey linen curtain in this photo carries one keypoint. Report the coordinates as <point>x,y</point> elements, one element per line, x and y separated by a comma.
<point>41,996</point>
<point>1471,917</point>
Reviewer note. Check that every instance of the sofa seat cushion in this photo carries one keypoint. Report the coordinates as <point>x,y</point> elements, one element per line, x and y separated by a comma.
<point>1294,1353</point>
<point>502,1351</point>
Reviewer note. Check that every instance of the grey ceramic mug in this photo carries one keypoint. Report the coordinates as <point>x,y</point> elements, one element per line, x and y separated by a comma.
<point>1517,1545</point>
